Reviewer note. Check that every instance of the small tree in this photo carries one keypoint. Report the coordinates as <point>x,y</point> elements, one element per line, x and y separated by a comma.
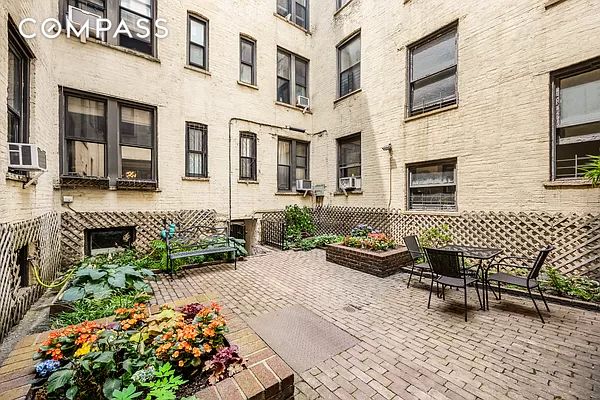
<point>592,170</point>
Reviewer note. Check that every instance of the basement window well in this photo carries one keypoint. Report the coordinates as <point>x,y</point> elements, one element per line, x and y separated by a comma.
<point>105,241</point>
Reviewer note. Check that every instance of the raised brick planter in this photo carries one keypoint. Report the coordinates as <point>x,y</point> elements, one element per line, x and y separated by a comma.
<point>268,377</point>
<point>380,263</point>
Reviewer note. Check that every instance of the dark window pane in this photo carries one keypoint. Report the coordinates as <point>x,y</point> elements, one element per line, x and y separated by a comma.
<point>580,99</point>
<point>433,198</point>
<point>197,55</point>
<point>15,82</point>
<point>283,7</point>
<point>301,73</point>
<point>283,177</point>
<point>350,54</point>
<point>434,56</point>
<point>142,7</point>
<point>85,158</point>
<point>195,139</point>
<point>136,163</point>
<point>103,241</point>
<point>94,6</point>
<point>350,80</point>
<point>350,152</point>
<point>195,164</point>
<point>133,11</point>
<point>136,127</point>
<point>283,65</point>
<point>301,13</point>
<point>13,128</point>
<point>85,119</point>
<point>131,19</point>
<point>283,90</point>
<point>247,52</point>
<point>571,157</point>
<point>436,90</point>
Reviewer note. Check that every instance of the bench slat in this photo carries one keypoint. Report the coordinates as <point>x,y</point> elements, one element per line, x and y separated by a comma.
<point>201,252</point>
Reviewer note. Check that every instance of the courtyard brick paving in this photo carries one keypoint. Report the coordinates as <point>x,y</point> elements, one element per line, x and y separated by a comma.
<point>406,351</point>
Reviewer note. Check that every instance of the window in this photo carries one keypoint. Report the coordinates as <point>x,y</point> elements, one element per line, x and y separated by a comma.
<point>138,16</point>
<point>85,134</point>
<point>19,57</point>
<point>349,157</point>
<point>432,186</point>
<point>432,75</point>
<point>198,38</point>
<point>110,240</point>
<point>137,13</point>
<point>247,61</point>
<point>294,10</point>
<point>349,65</point>
<point>247,156</point>
<point>291,82</point>
<point>107,138</point>
<point>292,163</point>
<point>576,127</point>
<point>196,148</point>
<point>342,3</point>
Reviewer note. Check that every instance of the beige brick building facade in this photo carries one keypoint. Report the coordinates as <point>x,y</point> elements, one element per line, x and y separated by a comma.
<point>497,129</point>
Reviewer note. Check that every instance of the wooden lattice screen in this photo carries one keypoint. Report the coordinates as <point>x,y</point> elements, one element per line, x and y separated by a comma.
<point>42,236</point>
<point>148,225</point>
<point>575,236</point>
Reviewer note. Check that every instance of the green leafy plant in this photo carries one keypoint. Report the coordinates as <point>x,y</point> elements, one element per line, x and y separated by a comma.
<point>592,170</point>
<point>165,384</point>
<point>129,393</point>
<point>373,241</point>
<point>299,223</point>
<point>575,286</point>
<point>317,241</point>
<point>436,237</point>
<point>99,281</point>
<point>362,230</point>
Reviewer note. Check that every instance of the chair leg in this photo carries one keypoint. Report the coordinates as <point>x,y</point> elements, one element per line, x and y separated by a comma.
<point>499,292</point>
<point>410,276</point>
<point>421,276</point>
<point>465,303</point>
<point>481,305</point>
<point>430,292</point>
<point>543,298</point>
<point>535,304</point>
<point>444,292</point>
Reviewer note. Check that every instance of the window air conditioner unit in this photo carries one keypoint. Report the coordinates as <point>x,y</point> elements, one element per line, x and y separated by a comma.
<point>303,185</point>
<point>350,183</point>
<point>78,18</point>
<point>303,101</point>
<point>26,157</point>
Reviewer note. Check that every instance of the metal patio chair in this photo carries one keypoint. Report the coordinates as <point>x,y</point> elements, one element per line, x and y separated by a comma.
<point>529,282</point>
<point>448,269</point>
<point>417,256</point>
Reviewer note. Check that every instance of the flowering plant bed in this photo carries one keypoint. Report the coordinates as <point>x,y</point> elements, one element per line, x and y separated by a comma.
<point>171,354</point>
<point>374,241</point>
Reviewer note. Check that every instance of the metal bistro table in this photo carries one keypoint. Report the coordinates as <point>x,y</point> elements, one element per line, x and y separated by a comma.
<point>477,253</point>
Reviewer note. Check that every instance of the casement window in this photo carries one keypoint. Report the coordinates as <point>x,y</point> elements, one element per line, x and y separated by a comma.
<point>108,138</point>
<point>198,40</point>
<point>19,57</point>
<point>341,3</point>
<point>247,60</point>
<point>134,13</point>
<point>432,186</point>
<point>349,157</point>
<point>576,111</point>
<point>196,149</point>
<point>248,156</point>
<point>432,73</point>
<point>292,163</point>
<point>349,65</point>
<point>109,240</point>
<point>295,11</point>
<point>292,77</point>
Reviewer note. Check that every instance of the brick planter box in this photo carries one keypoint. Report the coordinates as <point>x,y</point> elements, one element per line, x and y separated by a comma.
<point>268,377</point>
<point>380,263</point>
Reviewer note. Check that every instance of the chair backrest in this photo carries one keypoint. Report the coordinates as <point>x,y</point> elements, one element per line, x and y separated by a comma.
<point>412,244</point>
<point>539,262</point>
<point>446,262</point>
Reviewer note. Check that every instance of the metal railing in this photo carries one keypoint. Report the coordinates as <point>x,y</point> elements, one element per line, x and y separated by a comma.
<point>571,167</point>
<point>272,233</point>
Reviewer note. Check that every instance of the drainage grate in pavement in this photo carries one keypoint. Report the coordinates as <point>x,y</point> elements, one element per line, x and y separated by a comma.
<point>301,337</point>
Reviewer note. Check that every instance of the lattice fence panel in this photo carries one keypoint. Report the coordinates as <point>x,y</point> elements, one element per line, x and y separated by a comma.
<point>148,225</point>
<point>42,236</point>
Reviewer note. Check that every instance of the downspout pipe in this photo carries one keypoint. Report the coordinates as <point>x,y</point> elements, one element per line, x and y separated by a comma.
<point>260,124</point>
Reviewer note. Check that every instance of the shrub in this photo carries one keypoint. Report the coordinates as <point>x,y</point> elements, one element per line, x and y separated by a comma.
<point>299,223</point>
<point>373,241</point>
<point>316,242</point>
<point>436,237</point>
<point>577,286</point>
<point>362,230</point>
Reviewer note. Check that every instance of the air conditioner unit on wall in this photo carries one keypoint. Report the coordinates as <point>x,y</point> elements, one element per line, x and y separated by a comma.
<point>303,185</point>
<point>78,18</point>
<point>303,101</point>
<point>351,183</point>
<point>26,157</point>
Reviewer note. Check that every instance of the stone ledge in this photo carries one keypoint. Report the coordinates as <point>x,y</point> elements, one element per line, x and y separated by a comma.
<point>268,377</point>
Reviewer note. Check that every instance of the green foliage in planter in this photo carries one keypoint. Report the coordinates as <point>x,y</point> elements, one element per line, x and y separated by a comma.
<point>575,286</point>
<point>299,223</point>
<point>316,242</point>
<point>436,237</point>
<point>373,241</point>
<point>592,170</point>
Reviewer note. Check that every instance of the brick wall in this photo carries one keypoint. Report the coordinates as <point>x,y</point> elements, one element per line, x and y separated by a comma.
<point>380,264</point>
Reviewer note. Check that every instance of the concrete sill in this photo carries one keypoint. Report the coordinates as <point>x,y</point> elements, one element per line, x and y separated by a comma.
<point>196,69</point>
<point>348,193</point>
<point>339,10</point>
<point>430,113</point>
<point>288,194</point>
<point>195,179</point>
<point>306,31</point>
<point>291,107</point>
<point>568,183</point>
<point>432,212</point>
<point>115,47</point>
<point>552,3</point>
<point>344,97</point>
<point>247,182</point>
<point>248,85</point>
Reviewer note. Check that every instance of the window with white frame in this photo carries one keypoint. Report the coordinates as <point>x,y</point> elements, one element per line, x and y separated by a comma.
<point>576,127</point>
<point>432,186</point>
<point>433,71</point>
